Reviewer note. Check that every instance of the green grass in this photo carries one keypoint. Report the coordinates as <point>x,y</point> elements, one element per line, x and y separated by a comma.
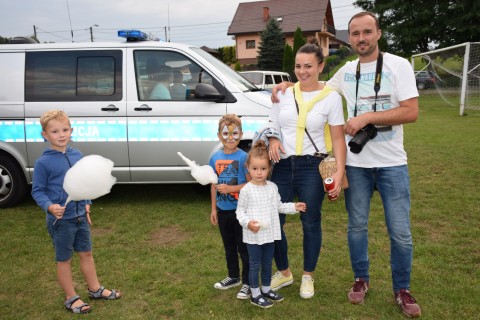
<point>155,243</point>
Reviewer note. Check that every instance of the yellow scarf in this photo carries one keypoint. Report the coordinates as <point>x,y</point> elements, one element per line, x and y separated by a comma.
<point>303,109</point>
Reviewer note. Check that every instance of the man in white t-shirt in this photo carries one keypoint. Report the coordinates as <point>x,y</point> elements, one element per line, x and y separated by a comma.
<point>378,163</point>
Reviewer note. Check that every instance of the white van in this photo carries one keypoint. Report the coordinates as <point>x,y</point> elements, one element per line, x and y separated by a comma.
<point>266,80</point>
<point>107,91</point>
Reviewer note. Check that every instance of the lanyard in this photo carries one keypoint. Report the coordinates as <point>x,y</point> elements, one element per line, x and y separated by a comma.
<point>376,87</point>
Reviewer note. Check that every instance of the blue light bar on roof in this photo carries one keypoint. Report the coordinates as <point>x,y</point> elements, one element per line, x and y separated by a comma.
<point>133,35</point>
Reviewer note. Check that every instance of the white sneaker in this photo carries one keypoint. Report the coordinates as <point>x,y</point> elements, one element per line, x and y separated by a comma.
<point>244,292</point>
<point>306,289</point>
<point>227,283</point>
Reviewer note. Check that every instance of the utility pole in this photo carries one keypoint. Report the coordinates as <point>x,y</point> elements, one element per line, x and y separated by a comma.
<point>91,31</point>
<point>34,31</point>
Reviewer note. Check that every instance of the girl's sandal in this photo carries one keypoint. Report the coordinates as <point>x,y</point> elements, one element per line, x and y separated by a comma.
<point>99,294</point>
<point>78,309</point>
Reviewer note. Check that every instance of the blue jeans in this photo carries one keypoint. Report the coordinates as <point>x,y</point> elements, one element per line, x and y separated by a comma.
<point>393,184</point>
<point>299,176</point>
<point>260,258</point>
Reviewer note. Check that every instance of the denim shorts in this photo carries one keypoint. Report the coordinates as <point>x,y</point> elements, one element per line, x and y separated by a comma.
<point>68,236</point>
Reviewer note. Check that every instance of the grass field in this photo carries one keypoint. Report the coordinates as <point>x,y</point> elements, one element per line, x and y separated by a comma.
<point>155,243</point>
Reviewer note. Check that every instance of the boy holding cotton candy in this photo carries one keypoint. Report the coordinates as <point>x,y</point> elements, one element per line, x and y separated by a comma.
<point>229,165</point>
<point>68,226</point>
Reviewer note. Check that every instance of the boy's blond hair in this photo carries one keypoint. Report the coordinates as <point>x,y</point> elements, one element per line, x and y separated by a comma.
<point>53,115</point>
<point>229,119</point>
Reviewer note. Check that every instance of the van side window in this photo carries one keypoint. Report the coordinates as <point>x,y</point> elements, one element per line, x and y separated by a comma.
<point>167,75</point>
<point>268,79</point>
<point>277,78</point>
<point>96,76</point>
<point>74,76</point>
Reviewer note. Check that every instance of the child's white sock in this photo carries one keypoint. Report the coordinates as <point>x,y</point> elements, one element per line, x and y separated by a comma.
<point>265,289</point>
<point>255,292</point>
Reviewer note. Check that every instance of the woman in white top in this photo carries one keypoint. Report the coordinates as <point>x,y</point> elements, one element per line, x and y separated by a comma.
<point>307,106</point>
<point>257,212</point>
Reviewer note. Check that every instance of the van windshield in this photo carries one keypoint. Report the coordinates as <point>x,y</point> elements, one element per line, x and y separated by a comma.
<point>233,76</point>
<point>254,77</point>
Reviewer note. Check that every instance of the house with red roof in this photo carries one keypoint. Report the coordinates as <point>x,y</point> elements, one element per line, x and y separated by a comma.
<point>314,17</point>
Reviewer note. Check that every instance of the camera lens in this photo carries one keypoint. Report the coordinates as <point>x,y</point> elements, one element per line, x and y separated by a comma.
<point>358,141</point>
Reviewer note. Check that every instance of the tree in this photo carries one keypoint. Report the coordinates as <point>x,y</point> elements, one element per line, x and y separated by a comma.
<point>414,26</point>
<point>288,61</point>
<point>227,54</point>
<point>298,40</point>
<point>238,67</point>
<point>270,52</point>
<point>221,53</point>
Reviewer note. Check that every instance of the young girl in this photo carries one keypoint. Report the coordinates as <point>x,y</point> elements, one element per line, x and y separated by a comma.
<point>257,211</point>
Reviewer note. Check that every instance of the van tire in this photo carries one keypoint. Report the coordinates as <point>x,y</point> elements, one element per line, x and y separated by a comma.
<point>13,185</point>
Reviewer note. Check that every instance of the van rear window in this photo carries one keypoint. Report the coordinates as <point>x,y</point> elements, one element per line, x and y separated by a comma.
<point>94,75</point>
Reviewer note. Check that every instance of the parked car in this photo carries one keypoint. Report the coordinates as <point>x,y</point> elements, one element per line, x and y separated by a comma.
<point>266,80</point>
<point>426,79</point>
<point>106,89</point>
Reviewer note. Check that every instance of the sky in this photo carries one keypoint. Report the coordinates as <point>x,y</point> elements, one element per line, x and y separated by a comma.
<point>198,23</point>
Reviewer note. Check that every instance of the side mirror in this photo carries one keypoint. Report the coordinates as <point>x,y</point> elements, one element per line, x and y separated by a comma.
<point>204,91</point>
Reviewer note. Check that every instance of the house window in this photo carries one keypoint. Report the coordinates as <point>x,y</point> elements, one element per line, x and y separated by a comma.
<point>250,44</point>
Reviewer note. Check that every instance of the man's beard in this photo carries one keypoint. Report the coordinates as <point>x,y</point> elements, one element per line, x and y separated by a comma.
<point>368,51</point>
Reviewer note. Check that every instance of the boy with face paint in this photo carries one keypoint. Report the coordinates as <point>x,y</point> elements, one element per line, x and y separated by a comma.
<point>229,165</point>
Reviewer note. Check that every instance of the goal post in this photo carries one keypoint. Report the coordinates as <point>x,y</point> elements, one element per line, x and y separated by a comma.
<point>453,73</point>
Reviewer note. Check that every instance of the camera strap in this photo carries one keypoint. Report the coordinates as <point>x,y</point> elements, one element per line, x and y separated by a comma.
<point>376,86</point>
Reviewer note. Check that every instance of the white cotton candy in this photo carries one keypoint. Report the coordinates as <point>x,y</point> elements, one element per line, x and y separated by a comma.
<point>89,178</point>
<point>264,224</point>
<point>203,174</point>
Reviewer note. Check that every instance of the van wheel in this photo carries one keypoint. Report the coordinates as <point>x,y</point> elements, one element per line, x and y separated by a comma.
<point>13,185</point>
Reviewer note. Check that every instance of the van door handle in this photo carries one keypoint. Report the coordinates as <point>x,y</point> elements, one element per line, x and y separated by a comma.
<point>143,107</point>
<point>110,107</point>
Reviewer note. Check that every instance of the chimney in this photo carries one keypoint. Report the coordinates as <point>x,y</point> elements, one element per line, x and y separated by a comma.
<point>266,14</point>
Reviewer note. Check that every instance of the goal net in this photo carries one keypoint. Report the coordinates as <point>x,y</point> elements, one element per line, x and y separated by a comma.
<point>453,73</point>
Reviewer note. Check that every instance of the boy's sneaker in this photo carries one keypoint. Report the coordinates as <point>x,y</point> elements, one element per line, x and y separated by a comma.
<point>261,302</point>
<point>244,292</point>
<point>358,291</point>
<point>272,295</point>
<point>280,281</point>
<point>227,283</point>
<point>306,289</point>
<point>407,303</point>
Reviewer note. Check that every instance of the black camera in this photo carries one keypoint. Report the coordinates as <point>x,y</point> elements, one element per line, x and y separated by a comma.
<point>361,138</point>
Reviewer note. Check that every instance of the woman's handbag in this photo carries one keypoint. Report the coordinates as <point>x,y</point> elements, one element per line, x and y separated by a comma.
<point>328,167</point>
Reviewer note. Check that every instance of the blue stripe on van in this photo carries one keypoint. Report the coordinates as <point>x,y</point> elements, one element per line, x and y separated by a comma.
<point>172,130</point>
<point>12,131</point>
<point>116,130</point>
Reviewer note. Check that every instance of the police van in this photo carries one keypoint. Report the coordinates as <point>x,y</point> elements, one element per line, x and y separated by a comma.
<point>107,90</point>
